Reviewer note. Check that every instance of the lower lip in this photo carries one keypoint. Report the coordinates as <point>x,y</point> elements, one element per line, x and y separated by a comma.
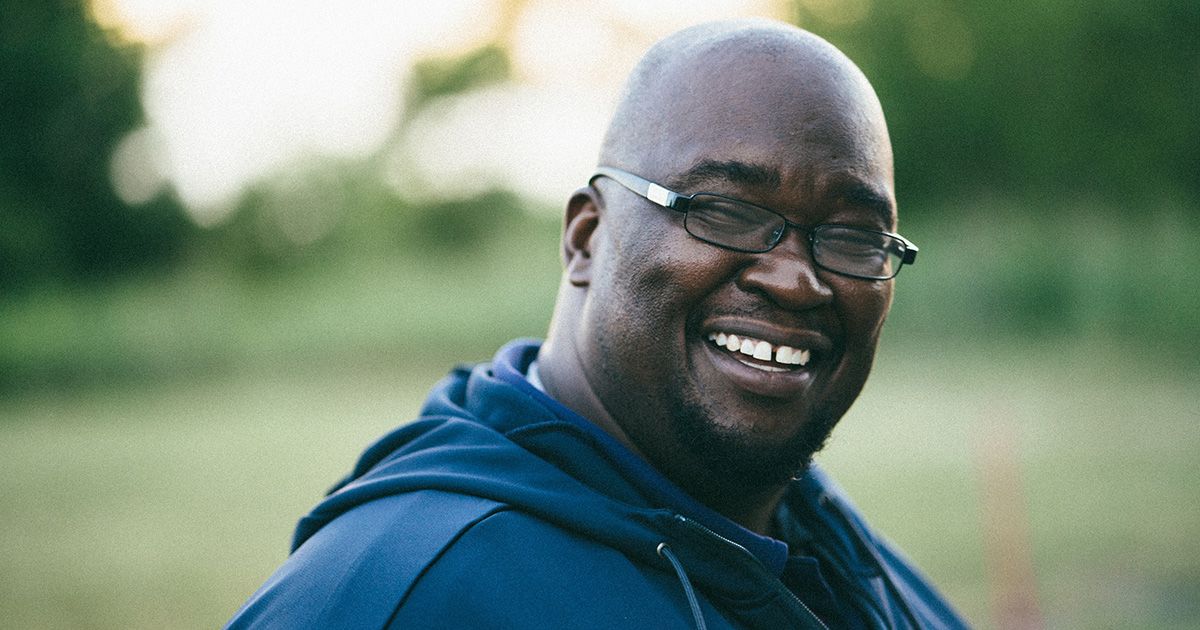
<point>788,384</point>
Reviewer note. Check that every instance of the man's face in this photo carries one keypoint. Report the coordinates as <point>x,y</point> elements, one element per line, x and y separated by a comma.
<point>658,296</point>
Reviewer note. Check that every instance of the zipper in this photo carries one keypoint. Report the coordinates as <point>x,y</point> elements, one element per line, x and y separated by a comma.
<point>779,585</point>
<point>862,597</point>
<point>866,603</point>
<point>831,502</point>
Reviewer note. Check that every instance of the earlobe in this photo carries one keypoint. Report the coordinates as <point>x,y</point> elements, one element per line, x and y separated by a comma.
<point>582,219</point>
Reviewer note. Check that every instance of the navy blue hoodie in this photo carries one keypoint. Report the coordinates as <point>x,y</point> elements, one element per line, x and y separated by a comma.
<point>501,508</point>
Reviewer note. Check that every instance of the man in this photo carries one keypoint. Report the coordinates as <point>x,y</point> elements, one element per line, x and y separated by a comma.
<point>728,270</point>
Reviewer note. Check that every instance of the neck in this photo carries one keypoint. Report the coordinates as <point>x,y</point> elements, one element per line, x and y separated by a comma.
<point>563,378</point>
<point>754,510</point>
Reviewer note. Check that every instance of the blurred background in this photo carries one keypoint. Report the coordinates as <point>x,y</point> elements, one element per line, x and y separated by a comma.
<point>240,240</point>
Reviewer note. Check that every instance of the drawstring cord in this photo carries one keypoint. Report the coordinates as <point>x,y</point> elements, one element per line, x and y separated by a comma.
<point>665,552</point>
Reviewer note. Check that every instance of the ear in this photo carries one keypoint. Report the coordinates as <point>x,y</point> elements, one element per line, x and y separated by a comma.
<point>582,219</point>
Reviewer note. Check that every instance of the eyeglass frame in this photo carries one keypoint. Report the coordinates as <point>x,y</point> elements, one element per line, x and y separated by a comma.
<point>671,200</point>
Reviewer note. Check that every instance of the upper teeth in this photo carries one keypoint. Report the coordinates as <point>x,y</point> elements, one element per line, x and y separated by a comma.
<point>760,349</point>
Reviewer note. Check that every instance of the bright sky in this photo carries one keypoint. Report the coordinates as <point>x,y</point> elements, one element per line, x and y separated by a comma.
<point>236,92</point>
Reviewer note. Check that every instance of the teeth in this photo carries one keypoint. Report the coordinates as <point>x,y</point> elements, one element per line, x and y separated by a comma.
<point>761,350</point>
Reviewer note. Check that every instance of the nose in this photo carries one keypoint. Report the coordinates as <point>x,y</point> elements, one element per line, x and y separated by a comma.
<point>787,274</point>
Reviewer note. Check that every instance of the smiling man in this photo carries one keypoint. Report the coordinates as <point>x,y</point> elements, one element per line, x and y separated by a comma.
<point>728,271</point>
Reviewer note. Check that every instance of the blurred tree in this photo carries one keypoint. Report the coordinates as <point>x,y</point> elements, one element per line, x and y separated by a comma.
<point>1050,104</point>
<point>442,76</point>
<point>1052,101</point>
<point>67,96</point>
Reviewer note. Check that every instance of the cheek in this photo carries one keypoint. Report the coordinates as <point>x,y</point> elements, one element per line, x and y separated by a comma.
<point>666,272</point>
<point>630,294</point>
<point>863,307</point>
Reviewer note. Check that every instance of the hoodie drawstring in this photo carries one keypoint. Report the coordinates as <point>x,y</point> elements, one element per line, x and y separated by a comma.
<point>665,551</point>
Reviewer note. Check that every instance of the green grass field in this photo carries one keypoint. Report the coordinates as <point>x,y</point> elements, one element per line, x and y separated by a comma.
<point>166,504</point>
<point>161,435</point>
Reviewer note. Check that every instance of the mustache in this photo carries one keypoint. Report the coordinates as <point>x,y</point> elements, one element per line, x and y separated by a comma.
<point>760,309</point>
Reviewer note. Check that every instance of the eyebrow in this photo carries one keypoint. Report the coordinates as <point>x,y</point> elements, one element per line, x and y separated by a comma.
<point>733,171</point>
<point>857,194</point>
<point>851,192</point>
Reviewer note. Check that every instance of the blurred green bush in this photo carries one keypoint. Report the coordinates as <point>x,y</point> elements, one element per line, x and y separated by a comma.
<point>1046,163</point>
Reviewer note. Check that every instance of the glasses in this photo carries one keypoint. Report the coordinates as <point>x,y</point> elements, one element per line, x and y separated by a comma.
<point>744,227</point>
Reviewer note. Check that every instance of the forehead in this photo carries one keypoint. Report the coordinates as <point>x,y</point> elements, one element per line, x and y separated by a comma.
<point>804,123</point>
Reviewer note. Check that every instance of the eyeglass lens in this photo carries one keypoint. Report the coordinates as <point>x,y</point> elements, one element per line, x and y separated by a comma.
<point>734,225</point>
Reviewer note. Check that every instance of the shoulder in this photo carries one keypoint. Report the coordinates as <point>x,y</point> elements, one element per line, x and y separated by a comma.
<point>354,571</point>
<point>433,559</point>
<point>515,570</point>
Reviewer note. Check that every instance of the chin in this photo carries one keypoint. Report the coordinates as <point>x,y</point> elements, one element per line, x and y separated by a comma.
<point>743,460</point>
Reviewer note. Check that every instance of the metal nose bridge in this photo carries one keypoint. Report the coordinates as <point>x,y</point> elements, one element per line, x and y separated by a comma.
<point>781,231</point>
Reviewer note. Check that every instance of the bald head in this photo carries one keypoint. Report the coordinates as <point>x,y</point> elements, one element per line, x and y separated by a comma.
<point>705,83</point>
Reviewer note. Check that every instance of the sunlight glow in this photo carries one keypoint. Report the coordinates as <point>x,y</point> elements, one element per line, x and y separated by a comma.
<point>941,43</point>
<point>840,12</point>
<point>541,137</point>
<point>136,167</point>
<point>147,21</point>
<point>542,140</point>
<point>237,92</point>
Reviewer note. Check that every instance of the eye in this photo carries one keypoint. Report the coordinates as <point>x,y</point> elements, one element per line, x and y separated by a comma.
<point>857,252</point>
<point>854,246</point>
<point>723,215</point>
<point>732,223</point>
<point>851,244</point>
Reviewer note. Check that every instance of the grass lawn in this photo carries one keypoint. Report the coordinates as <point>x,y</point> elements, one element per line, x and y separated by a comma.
<point>167,504</point>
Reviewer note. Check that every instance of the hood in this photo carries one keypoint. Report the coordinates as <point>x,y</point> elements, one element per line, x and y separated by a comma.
<point>482,436</point>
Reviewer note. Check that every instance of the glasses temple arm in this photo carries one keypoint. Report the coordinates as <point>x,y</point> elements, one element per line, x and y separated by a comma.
<point>910,252</point>
<point>644,187</point>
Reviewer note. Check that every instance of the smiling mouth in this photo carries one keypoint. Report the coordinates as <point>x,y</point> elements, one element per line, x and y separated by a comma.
<point>759,354</point>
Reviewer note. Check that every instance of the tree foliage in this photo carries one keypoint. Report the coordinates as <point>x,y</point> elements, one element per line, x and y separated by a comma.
<point>67,97</point>
<point>1046,104</point>
<point>1055,101</point>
